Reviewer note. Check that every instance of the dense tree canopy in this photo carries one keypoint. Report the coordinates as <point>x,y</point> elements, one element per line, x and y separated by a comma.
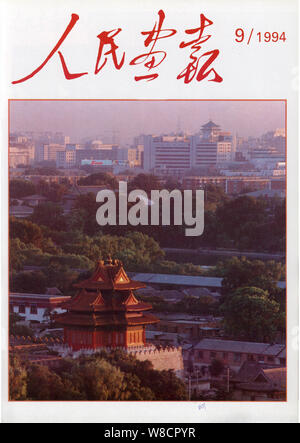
<point>26,231</point>
<point>54,191</point>
<point>17,380</point>
<point>241,222</point>
<point>106,376</point>
<point>145,182</point>
<point>216,368</point>
<point>34,282</point>
<point>43,170</point>
<point>203,305</point>
<point>249,314</point>
<point>98,179</point>
<point>50,215</point>
<point>21,188</point>
<point>242,272</point>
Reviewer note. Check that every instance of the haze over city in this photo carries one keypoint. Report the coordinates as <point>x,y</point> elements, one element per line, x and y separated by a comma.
<point>84,119</point>
<point>87,265</point>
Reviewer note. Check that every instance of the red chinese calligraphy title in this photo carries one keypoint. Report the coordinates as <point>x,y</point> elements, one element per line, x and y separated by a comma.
<point>199,62</point>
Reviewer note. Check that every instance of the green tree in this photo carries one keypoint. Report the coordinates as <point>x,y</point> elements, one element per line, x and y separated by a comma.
<point>145,182</point>
<point>250,315</point>
<point>61,276</point>
<point>99,380</point>
<point>76,220</point>
<point>14,318</point>
<point>34,282</point>
<point>98,179</point>
<point>88,207</point>
<point>16,255</point>
<point>242,272</point>
<point>21,331</point>
<point>165,385</point>
<point>43,170</point>
<point>214,197</point>
<point>44,384</point>
<point>205,305</point>
<point>216,368</point>
<point>26,231</point>
<point>50,215</point>
<point>21,188</point>
<point>134,249</point>
<point>146,246</point>
<point>134,389</point>
<point>238,218</point>
<point>17,329</point>
<point>17,380</point>
<point>172,183</point>
<point>48,246</point>
<point>55,191</point>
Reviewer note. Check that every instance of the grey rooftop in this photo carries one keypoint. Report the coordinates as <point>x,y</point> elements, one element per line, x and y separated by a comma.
<point>183,280</point>
<point>240,347</point>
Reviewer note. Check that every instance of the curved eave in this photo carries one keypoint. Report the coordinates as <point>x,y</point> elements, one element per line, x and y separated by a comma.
<point>93,321</point>
<point>109,309</point>
<point>133,285</point>
<point>138,307</point>
<point>145,320</point>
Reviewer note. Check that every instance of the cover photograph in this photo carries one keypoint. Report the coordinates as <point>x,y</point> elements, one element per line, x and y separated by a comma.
<point>149,224</point>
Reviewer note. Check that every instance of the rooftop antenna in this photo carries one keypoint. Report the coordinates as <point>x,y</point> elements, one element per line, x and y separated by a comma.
<point>114,135</point>
<point>178,125</point>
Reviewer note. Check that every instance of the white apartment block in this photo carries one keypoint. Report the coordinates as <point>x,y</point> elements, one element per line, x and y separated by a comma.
<point>180,154</point>
<point>66,159</point>
<point>48,152</point>
<point>21,154</point>
<point>170,153</point>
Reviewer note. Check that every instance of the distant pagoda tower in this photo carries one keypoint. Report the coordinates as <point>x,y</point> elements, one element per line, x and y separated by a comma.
<point>105,312</point>
<point>210,131</point>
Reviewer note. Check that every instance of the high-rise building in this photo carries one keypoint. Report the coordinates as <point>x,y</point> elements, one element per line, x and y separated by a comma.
<point>178,154</point>
<point>48,152</point>
<point>134,156</point>
<point>212,146</point>
<point>66,159</point>
<point>21,154</point>
<point>167,153</point>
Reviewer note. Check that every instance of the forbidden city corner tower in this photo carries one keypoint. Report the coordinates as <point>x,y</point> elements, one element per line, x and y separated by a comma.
<point>105,312</point>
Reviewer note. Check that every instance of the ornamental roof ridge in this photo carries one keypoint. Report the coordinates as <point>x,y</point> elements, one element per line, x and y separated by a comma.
<point>109,274</point>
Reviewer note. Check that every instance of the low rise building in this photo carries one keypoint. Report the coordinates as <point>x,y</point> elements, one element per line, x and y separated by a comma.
<point>230,184</point>
<point>20,211</point>
<point>193,329</point>
<point>34,200</point>
<point>254,383</point>
<point>160,338</point>
<point>21,154</point>
<point>172,281</point>
<point>234,353</point>
<point>36,307</point>
<point>267,193</point>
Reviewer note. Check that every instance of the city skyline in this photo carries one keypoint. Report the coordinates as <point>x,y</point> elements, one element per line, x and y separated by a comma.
<point>126,119</point>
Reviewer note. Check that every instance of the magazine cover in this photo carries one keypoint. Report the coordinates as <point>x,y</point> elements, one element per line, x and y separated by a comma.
<point>149,176</point>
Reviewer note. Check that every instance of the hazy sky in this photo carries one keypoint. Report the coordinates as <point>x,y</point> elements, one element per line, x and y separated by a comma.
<point>91,119</point>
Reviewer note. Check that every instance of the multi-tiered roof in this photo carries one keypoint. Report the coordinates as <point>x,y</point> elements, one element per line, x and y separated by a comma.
<point>107,299</point>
